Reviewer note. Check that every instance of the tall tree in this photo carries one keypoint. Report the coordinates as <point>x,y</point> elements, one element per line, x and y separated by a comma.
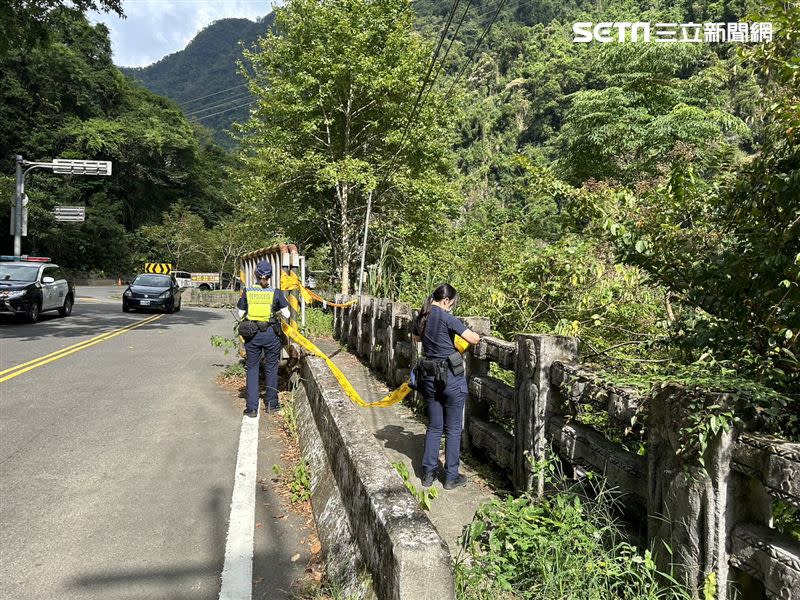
<point>29,22</point>
<point>333,127</point>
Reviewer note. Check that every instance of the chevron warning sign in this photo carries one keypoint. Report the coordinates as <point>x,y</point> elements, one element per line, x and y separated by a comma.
<point>160,268</point>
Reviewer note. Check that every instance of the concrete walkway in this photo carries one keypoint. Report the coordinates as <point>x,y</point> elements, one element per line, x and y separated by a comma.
<point>402,436</point>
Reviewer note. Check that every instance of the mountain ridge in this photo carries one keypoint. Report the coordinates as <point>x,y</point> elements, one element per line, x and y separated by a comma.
<point>204,78</point>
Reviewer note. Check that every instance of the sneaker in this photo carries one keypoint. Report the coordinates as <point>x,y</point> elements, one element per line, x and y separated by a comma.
<point>427,479</point>
<point>273,409</point>
<point>250,413</point>
<point>459,481</point>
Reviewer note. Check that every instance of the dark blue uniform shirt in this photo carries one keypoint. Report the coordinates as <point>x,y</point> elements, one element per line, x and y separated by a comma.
<point>441,328</point>
<point>278,301</point>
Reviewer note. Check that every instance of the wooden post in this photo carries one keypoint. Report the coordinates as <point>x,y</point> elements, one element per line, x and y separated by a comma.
<point>535,402</point>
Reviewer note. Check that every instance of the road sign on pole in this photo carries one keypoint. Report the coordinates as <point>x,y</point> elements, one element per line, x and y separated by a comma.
<point>70,214</point>
<point>59,166</point>
<point>65,166</point>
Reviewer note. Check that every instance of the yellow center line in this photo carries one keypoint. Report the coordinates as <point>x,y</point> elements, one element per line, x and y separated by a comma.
<point>48,358</point>
<point>60,350</point>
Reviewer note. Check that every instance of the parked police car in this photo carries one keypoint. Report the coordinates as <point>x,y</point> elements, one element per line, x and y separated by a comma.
<point>31,285</point>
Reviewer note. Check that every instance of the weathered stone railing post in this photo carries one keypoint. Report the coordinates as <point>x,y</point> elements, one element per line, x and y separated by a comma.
<point>376,346</point>
<point>535,402</point>
<point>402,348</point>
<point>338,316</point>
<point>476,367</point>
<point>354,325</point>
<point>693,509</point>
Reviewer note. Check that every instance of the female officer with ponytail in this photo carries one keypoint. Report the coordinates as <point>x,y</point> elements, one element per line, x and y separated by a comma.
<point>261,305</point>
<point>442,382</point>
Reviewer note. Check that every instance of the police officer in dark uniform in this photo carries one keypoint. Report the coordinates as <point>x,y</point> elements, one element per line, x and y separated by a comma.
<point>442,382</point>
<point>262,304</point>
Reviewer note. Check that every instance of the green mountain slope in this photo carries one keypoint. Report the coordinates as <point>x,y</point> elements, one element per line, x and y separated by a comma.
<point>203,77</point>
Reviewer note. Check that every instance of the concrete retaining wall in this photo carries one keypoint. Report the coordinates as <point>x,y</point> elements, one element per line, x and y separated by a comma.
<point>210,299</point>
<point>83,281</point>
<point>396,542</point>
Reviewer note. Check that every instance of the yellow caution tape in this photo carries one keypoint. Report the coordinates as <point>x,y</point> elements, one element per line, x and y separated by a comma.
<point>291,282</point>
<point>393,398</point>
<point>461,344</point>
<point>396,396</point>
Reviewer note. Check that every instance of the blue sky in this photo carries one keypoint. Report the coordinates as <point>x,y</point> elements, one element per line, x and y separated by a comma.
<point>155,28</point>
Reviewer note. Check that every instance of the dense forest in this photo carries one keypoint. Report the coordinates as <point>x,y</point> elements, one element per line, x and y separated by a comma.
<point>644,197</point>
<point>61,96</point>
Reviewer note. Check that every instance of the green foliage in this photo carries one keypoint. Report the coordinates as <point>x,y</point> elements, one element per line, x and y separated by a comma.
<point>234,371</point>
<point>226,343</point>
<point>423,496</point>
<point>29,23</point>
<point>787,519</point>
<point>289,412</point>
<point>300,483</point>
<point>334,85</point>
<point>65,98</point>
<point>565,544</point>
<point>319,323</point>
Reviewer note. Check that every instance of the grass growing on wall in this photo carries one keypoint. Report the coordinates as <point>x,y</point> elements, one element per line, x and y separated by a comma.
<point>564,545</point>
<point>319,323</point>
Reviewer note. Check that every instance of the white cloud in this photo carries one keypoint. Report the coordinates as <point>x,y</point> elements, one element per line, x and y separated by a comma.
<point>155,28</point>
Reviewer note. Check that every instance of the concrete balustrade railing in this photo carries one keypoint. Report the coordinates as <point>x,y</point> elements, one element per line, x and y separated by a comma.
<point>700,519</point>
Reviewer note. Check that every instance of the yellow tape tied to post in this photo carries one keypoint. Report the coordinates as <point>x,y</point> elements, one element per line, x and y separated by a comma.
<point>291,282</point>
<point>393,398</point>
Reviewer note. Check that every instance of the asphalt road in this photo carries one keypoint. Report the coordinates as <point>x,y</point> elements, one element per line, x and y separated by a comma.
<point>118,460</point>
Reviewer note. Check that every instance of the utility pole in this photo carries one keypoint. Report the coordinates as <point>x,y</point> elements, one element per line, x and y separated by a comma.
<point>20,190</point>
<point>364,245</point>
<point>59,166</point>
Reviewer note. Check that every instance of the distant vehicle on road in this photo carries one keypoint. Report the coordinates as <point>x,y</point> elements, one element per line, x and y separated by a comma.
<point>149,291</point>
<point>33,285</point>
<point>215,281</point>
<point>184,279</point>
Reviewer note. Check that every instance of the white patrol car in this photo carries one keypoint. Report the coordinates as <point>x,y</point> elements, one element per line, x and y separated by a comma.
<point>31,285</point>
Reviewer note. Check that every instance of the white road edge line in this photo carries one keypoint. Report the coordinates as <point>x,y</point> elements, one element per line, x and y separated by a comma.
<point>237,574</point>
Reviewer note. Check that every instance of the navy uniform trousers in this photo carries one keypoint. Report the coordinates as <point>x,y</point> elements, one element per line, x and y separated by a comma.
<point>265,342</point>
<point>445,415</point>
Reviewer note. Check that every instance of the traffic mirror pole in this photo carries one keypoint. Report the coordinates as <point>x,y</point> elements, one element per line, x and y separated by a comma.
<point>59,166</point>
<point>20,189</point>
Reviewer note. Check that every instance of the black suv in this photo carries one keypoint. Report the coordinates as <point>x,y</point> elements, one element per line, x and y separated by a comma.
<point>33,285</point>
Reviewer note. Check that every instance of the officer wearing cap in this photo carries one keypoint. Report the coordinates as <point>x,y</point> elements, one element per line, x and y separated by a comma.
<point>262,304</point>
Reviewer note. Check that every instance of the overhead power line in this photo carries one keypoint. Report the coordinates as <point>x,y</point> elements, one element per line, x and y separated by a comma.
<point>474,50</point>
<point>226,110</point>
<point>184,102</point>
<point>418,101</point>
<point>238,98</point>
<point>447,52</point>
